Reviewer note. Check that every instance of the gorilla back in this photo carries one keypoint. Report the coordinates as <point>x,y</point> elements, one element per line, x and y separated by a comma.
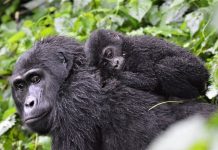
<point>56,94</point>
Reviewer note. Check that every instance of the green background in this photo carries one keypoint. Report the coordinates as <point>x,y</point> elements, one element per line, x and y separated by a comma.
<point>191,24</point>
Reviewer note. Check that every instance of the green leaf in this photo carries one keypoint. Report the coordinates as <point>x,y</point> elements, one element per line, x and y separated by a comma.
<point>45,142</point>
<point>84,24</point>
<point>154,15</point>
<point>112,4</point>
<point>177,2</point>
<point>46,32</point>
<point>213,121</point>
<point>66,8</point>
<point>7,124</point>
<point>78,4</point>
<point>166,31</point>
<point>16,37</point>
<point>138,8</point>
<point>174,14</point>
<point>28,24</point>
<point>9,112</point>
<point>193,21</point>
<point>200,145</point>
<point>110,22</point>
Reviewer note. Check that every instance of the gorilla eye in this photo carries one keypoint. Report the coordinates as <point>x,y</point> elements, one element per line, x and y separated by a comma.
<point>20,85</point>
<point>35,79</point>
<point>108,53</point>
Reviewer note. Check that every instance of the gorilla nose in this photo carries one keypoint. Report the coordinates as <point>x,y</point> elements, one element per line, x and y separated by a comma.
<point>30,102</point>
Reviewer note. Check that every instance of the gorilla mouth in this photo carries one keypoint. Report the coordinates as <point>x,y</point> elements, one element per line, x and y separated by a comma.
<point>36,118</point>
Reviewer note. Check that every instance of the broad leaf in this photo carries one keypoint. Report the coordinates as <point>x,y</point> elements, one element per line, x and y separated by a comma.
<point>138,8</point>
<point>7,124</point>
<point>193,21</point>
<point>79,4</point>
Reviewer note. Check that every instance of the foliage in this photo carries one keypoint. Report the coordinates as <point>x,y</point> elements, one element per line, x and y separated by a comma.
<point>193,133</point>
<point>188,23</point>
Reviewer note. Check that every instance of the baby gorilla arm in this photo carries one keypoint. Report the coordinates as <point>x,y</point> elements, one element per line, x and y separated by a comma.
<point>138,80</point>
<point>181,77</point>
<point>173,83</point>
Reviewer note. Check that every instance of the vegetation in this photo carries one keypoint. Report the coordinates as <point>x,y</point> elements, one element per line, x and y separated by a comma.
<point>188,23</point>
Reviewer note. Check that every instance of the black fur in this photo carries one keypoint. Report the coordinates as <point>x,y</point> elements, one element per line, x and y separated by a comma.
<point>85,117</point>
<point>150,64</point>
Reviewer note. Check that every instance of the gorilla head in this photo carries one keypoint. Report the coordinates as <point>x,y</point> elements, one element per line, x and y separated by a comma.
<point>104,50</point>
<point>37,78</point>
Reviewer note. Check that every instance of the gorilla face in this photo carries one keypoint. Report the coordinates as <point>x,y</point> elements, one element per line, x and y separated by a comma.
<point>37,78</point>
<point>112,58</point>
<point>33,98</point>
<point>104,50</point>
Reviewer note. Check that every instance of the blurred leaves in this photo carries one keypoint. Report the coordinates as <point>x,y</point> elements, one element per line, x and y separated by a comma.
<point>193,133</point>
<point>189,23</point>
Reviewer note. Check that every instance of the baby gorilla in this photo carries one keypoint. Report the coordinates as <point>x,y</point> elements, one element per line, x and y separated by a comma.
<point>146,63</point>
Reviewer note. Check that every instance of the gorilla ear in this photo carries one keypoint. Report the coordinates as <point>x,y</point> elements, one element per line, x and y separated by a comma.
<point>62,58</point>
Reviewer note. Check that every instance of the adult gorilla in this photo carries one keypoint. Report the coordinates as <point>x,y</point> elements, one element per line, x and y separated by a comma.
<point>55,94</point>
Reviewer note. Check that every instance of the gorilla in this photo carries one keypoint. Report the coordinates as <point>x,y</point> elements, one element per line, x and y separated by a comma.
<point>146,63</point>
<point>56,94</point>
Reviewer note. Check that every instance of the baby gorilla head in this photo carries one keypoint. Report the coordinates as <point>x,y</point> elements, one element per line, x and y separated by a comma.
<point>112,58</point>
<point>105,52</point>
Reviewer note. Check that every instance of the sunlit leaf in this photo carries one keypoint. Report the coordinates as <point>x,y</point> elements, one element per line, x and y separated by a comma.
<point>164,30</point>
<point>138,8</point>
<point>110,22</point>
<point>78,4</point>
<point>45,142</point>
<point>154,15</point>
<point>84,24</point>
<point>6,124</point>
<point>16,37</point>
<point>193,21</point>
<point>177,2</point>
<point>46,32</point>
<point>28,23</point>
<point>9,112</point>
<point>174,14</point>
<point>112,4</point>
<point>200,145</point>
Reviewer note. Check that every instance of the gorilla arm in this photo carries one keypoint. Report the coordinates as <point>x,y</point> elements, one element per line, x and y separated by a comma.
<point>181,77</point>
<point>138,80</point>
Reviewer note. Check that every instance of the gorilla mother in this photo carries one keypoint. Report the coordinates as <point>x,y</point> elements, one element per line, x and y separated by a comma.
<point>56,94</point>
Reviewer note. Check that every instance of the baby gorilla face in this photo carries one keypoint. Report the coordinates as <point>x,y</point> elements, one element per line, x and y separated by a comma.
<point>112,58</point>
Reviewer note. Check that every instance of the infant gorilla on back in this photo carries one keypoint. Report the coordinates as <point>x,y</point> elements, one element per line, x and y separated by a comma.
<point>56,94</point>
<point>146,63</point>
